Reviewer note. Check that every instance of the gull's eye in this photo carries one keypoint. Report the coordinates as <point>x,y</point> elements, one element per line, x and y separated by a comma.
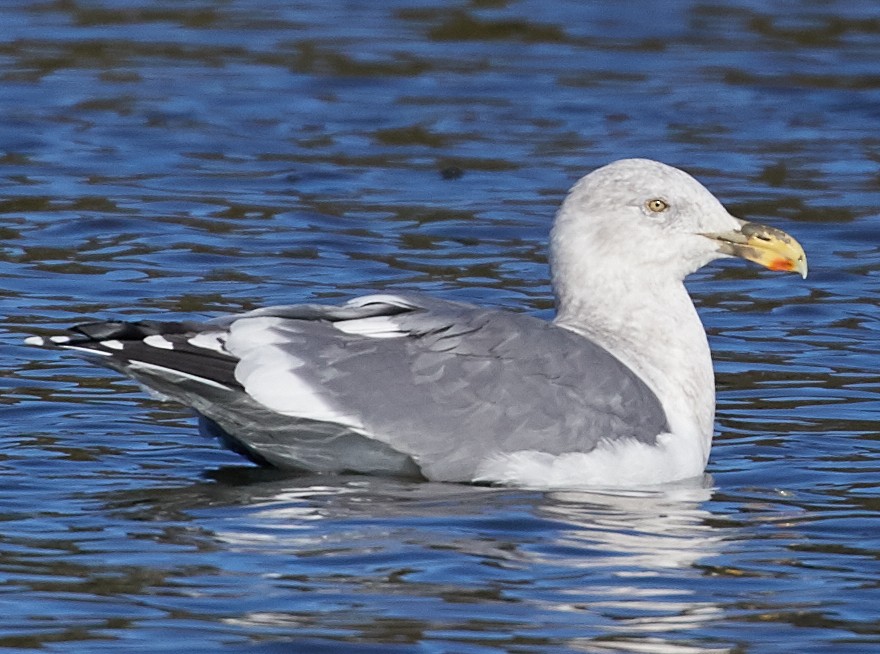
<point>657,205</point>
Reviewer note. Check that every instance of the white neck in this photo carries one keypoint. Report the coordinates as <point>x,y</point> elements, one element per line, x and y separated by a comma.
<point>654,330</point>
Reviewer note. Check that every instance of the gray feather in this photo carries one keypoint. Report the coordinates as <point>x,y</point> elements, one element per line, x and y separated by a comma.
<point>465,383</point>
<point>453,385</point>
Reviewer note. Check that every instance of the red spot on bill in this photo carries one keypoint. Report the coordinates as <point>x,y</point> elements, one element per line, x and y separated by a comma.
<point>781,265</point>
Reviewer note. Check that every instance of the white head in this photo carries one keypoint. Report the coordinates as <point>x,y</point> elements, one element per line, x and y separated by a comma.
<point>640,221</point>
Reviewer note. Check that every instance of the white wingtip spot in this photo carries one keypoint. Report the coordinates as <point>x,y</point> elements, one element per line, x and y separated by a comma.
<point>209,341</point>
<point>113,345</point>
<point>157,340</point>
<point>39,341</point>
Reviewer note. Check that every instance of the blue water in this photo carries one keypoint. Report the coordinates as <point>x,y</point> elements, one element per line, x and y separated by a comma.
<point>181,159</point>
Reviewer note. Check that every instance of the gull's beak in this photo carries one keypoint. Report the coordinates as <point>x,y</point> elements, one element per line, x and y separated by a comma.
<point>768,246</point>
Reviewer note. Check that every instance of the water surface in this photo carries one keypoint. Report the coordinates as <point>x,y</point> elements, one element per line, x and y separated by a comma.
<point>159,159</point>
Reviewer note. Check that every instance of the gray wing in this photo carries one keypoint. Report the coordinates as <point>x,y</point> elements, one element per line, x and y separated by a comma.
<point>396,383</point>
<point>448,384</point>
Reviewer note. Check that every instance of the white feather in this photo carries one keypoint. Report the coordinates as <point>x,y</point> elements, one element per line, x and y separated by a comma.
<point>270,376</point>
<point>249,334</point>
<point>159,341</point>
<point>87,350</point>
<point>376,327</point>
<point>209,341</point>
<point>171,372</point>
<point>627,463</point>
<point>380,298</point>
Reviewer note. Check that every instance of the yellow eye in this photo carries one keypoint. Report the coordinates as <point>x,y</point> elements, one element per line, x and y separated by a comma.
<point>657,205</point>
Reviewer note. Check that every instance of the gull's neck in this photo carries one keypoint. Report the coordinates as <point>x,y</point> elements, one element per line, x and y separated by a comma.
<point>651,325</point>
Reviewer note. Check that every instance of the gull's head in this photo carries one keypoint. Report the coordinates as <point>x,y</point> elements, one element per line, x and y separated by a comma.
<point>645,216</point>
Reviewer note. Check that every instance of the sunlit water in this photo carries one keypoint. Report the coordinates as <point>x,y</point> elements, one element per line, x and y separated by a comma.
<point>182,159</point>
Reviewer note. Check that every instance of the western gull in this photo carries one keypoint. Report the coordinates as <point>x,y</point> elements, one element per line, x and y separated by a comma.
<point>618,390</point>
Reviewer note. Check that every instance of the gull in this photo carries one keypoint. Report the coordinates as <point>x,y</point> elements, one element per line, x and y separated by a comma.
<point>617,390</point>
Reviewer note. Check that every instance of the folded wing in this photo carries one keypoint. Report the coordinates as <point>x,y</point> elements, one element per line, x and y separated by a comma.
<point>394,383</point>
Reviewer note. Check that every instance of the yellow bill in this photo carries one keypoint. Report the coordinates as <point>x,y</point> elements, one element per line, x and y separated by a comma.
<point>768,246</point>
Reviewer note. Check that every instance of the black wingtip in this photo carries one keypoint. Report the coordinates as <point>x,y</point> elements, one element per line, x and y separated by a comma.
<point>90,332</point>
<point>103,331</point>
<point>110,330</point>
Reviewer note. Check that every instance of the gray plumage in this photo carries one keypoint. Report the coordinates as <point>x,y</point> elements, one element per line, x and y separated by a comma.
<point>618,389</point>
<point>465,381</point>
<point>458,382</point>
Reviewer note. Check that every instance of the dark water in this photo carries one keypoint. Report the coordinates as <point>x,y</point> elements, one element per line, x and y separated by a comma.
<point>163,158</point>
